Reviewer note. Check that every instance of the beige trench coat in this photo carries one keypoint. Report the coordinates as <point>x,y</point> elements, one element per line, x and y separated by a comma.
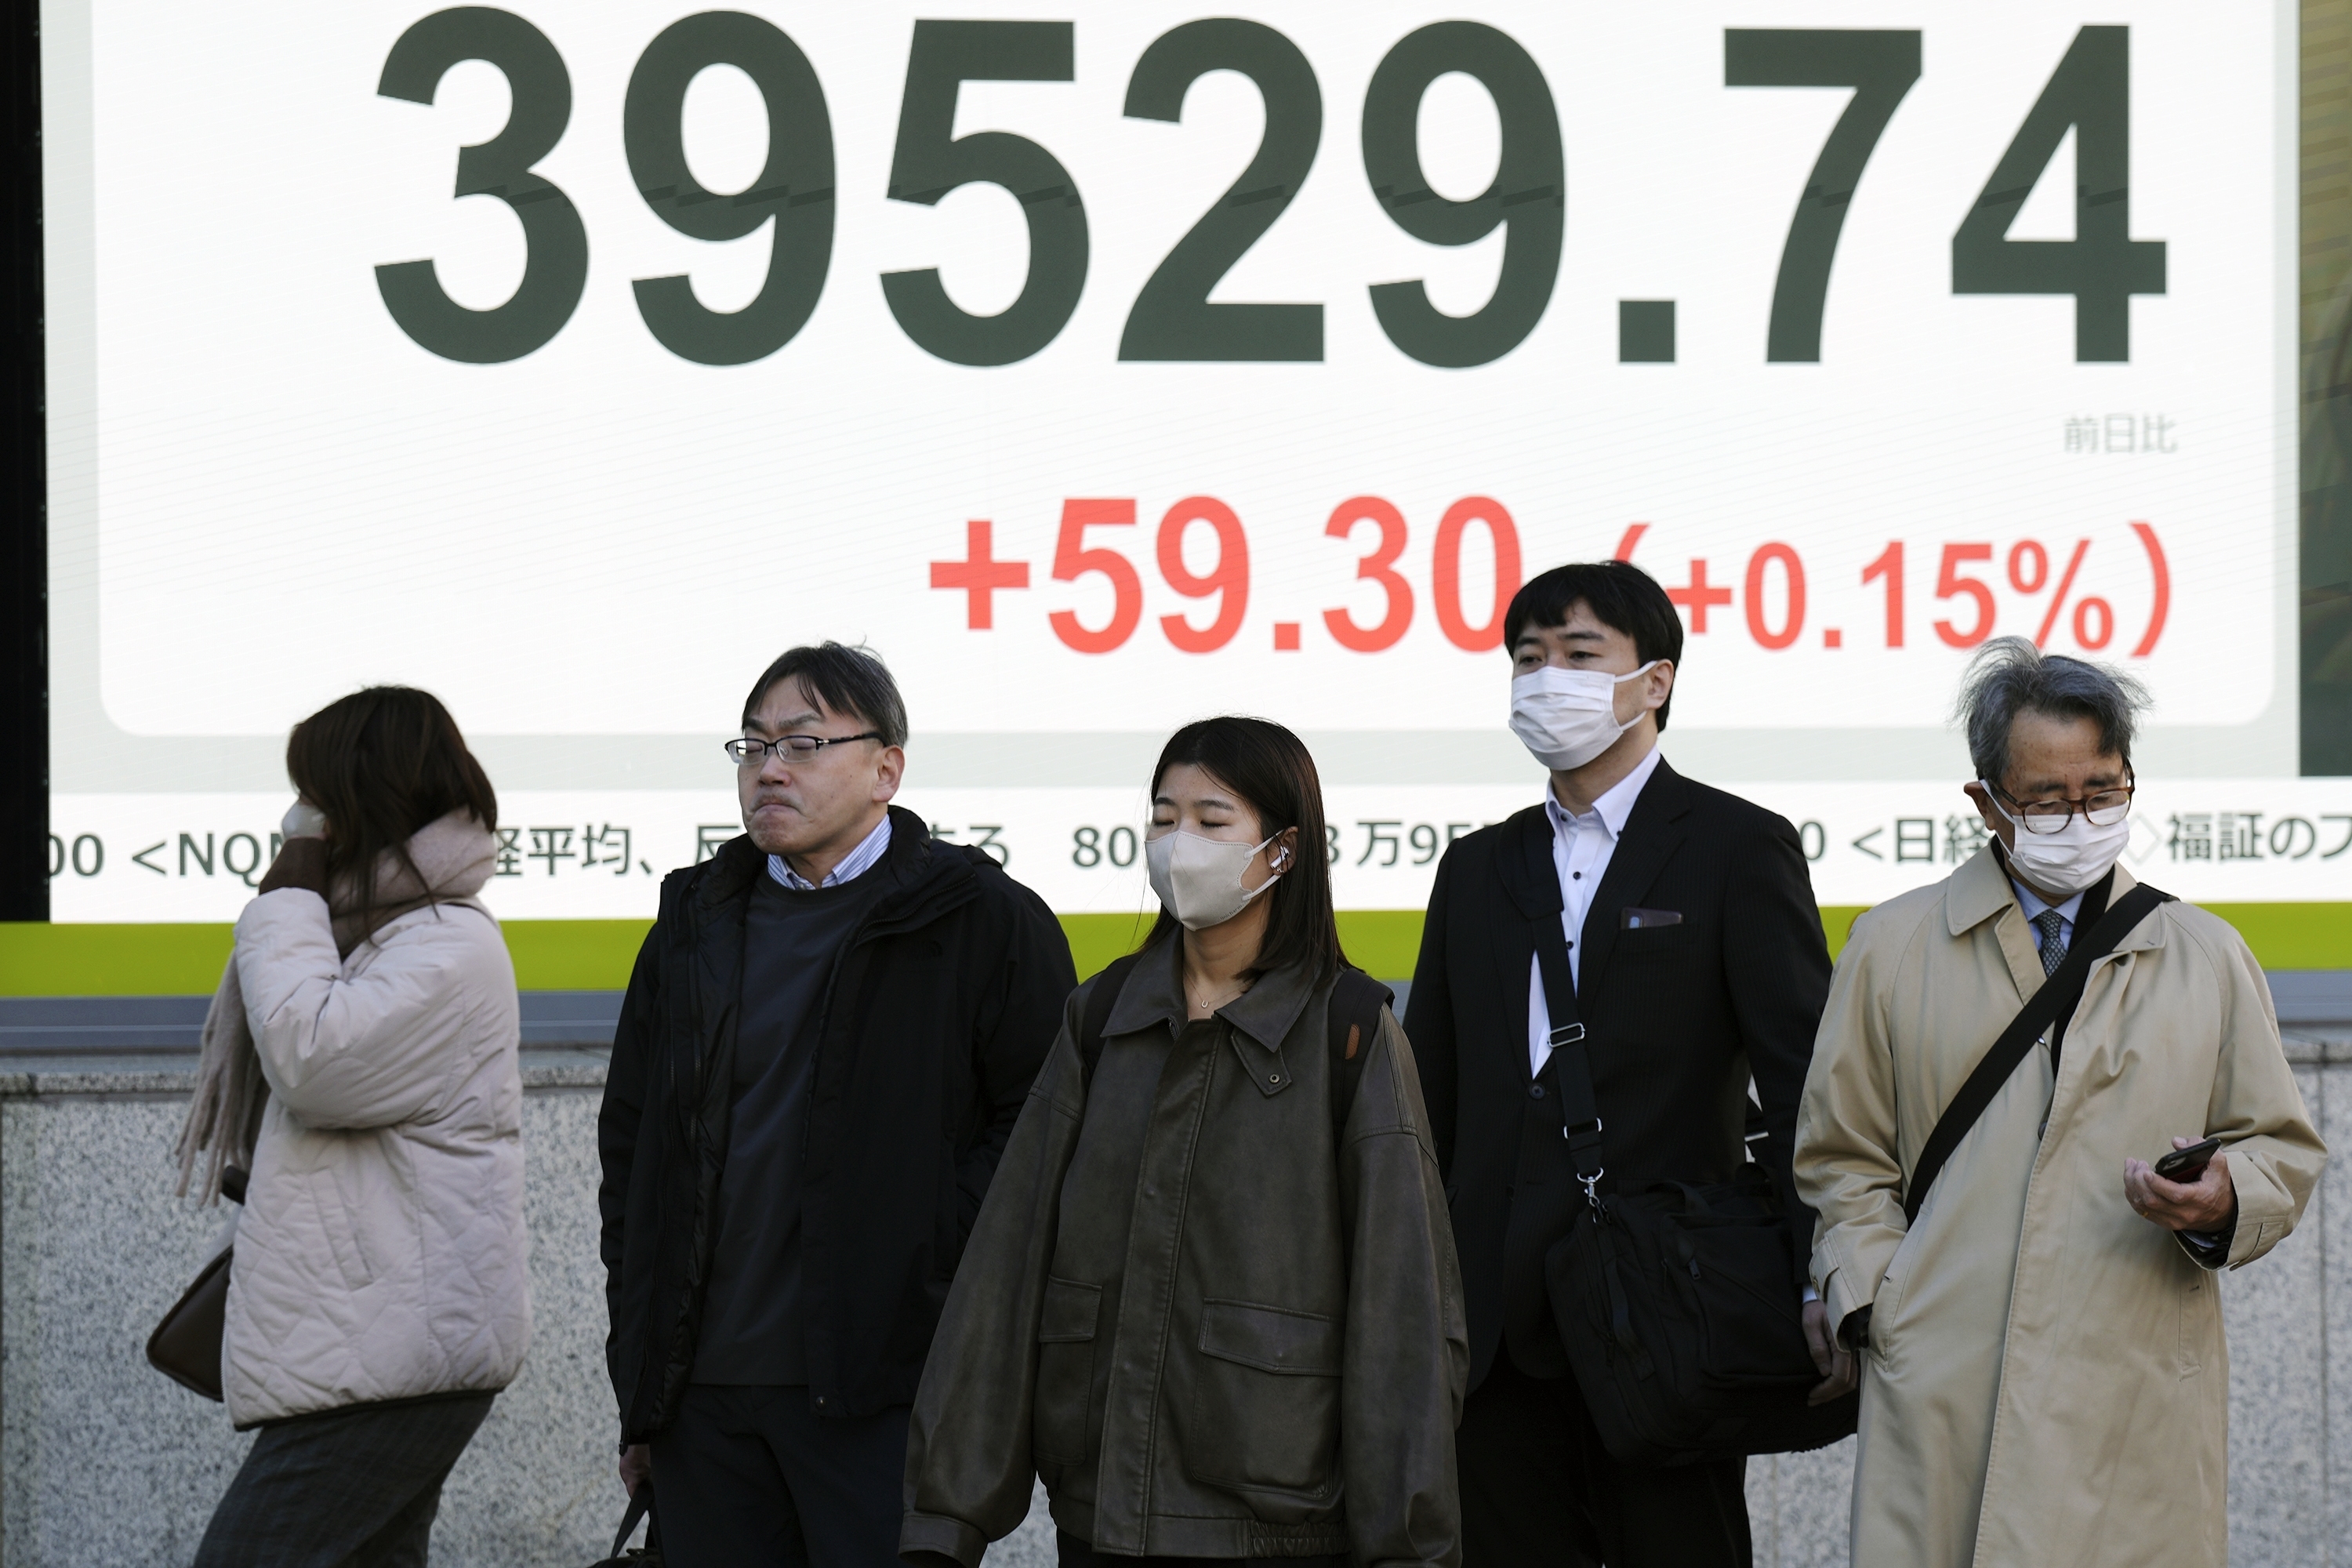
<point>2046,1380</point>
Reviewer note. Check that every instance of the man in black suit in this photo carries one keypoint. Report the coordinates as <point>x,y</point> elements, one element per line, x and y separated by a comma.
<point>1697,959</point>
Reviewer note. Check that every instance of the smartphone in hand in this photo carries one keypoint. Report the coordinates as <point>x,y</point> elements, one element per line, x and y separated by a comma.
<point>2187,1165</point>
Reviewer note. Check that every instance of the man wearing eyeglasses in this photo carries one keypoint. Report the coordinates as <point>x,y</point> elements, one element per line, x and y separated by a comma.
<point>2045,1376</point>
<point>830,1031</point>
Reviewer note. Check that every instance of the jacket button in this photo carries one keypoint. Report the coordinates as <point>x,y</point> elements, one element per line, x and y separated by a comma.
<point>820,1402</point>
<point>1535,1091</point>
<point>1273,1077</point>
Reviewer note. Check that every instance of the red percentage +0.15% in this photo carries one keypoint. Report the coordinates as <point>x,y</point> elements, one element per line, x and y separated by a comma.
<point>2028,571</point>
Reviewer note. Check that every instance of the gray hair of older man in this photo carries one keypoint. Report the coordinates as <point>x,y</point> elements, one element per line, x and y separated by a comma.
<point>2009,676</point>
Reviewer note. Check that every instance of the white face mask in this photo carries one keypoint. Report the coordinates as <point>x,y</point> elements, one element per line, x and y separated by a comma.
<point>1568,717</point>
<point>2068,860</point>
<point>1199,881</point>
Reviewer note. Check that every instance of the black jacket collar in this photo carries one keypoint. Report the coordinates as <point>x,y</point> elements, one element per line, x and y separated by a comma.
<point>931,877</point>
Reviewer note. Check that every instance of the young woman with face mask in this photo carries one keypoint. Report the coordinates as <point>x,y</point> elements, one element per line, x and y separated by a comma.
<point>1212,1297</point>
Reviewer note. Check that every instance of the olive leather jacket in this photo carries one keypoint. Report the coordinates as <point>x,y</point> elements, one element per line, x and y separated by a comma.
<point>1210,1332</point>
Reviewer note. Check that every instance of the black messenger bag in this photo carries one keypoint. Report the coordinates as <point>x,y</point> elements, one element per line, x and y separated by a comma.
<point>1677,1302</point>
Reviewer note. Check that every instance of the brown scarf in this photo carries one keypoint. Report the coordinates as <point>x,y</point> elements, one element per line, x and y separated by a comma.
<point>453,857</point>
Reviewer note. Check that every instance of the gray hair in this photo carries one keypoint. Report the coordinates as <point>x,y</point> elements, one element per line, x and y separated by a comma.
<point>2009,676</point>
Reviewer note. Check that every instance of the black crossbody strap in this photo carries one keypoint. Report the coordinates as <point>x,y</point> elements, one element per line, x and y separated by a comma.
<point>2053,1003</point>
<point>1579,1111</point>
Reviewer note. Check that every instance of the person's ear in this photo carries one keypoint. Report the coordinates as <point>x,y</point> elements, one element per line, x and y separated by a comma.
<point>1981,797</point>
<point>1283,853</point>
<point>889,768</point>
<point>1658,685</point>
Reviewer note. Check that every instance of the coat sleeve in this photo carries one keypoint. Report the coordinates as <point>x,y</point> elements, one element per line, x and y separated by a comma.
<point>1848,1165</point>
<point>1407,1355</point>
<point>1032,979</point>
<point>1776,967</point>
<point>619,1125</point>
<point>969,1465</point>
<point>379,1047</point>
<point>2275,1154</point>
<point>1429,1020</point>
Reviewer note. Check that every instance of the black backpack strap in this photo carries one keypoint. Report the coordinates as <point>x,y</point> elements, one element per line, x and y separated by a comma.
<point>1355,1017</point>
<point>1099,1002</point>
<point>2054,1003</point>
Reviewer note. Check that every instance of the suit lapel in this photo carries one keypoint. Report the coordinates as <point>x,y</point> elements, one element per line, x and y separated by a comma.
<point>1652,833</point>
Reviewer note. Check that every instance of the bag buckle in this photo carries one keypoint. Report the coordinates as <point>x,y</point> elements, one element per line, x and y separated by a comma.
<point>1566,1034</point>
<point>1580,1136</point>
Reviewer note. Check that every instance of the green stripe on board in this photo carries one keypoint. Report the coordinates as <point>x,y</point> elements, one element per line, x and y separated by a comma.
<point>40,960</point>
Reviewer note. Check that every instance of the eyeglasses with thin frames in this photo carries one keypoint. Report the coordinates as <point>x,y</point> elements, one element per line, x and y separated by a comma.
<point>747,751</point>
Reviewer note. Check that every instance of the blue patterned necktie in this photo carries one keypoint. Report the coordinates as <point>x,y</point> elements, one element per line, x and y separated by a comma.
<point>2053,951</point>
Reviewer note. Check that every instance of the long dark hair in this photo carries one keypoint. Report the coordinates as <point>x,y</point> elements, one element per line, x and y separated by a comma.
<point>1270,769</point>
<point>381,763</point>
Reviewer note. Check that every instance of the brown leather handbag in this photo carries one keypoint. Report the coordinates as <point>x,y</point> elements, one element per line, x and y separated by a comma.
<point>186,1345</point>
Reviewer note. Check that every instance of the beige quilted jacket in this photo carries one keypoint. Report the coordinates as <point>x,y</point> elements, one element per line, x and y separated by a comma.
<point>381,1253</point>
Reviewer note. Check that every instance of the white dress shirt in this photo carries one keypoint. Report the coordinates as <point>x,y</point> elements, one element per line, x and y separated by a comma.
<point>855,864</point>
<point>1580,848</point>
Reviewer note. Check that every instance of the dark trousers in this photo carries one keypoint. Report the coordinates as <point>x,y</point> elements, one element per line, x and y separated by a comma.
<point>346,1489</point>
<point>1076,1553</point>
<point>1539,1490</point>
<point>750,1476</point>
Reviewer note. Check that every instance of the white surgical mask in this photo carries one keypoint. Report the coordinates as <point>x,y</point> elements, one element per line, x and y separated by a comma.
<point>1200,880</point>
<point>2068,860</point>
<point>1568,717</point>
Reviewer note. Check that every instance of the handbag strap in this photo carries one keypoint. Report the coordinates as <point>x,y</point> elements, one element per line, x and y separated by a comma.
<point>2053,1003</point>
<point>641,1502</point>
<point>1579,1111</point>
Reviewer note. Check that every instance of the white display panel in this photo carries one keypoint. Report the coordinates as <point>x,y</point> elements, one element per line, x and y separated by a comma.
<point>270,488</point>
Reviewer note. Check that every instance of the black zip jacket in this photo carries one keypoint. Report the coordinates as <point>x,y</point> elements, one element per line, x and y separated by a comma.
<point>940,1007</point>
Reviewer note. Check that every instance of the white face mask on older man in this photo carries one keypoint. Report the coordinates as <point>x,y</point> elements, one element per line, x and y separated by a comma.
<point>2070,860</point>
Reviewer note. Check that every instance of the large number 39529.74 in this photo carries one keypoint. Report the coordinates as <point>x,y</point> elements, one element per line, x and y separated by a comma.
<point>1172,318</point>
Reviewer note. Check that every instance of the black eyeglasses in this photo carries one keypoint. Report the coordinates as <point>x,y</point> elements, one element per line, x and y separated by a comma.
<point>748,752</point>
<point>2102,808</point>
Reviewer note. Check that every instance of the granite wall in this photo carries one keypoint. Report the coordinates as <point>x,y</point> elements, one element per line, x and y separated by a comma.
<point>104,1461</point>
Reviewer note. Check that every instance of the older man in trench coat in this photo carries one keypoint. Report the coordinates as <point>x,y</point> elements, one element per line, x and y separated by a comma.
<point>2044,1378</point>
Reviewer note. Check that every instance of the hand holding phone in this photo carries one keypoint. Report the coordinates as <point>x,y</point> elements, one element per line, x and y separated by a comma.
<point>2187,1189</point>
<point>2187,1166</point>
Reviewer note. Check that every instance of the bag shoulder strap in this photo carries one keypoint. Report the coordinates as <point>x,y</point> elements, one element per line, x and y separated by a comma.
<point>1579,1109</point>
<point>1355,1016</point>
<point>1099,1002</point>
<point>2053,1002</point>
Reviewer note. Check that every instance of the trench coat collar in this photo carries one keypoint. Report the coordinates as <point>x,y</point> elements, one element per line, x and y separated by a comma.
<point>1981,891</point>
<point>1260,1017</point>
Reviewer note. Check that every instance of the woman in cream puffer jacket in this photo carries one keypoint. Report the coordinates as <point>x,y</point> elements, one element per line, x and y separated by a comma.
<point>362,1054</point>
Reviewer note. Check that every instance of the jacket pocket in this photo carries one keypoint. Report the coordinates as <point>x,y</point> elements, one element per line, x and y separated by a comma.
<point>1265,1400</point>
<point>2198,1329</point>
<point>1066,1371</point>
<point>339,1226</point>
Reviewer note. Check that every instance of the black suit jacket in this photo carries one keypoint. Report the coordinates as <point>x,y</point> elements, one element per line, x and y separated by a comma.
<point>1677,1018</point>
